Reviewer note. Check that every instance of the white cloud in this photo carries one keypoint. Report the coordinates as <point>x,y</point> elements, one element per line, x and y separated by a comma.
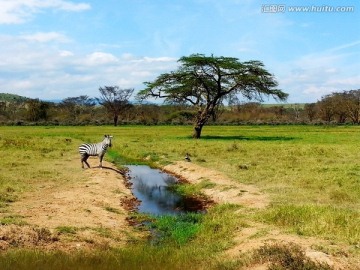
<point>52,71</point>
<point>348,83</point>
<point>317,91</point>
<point>312,76</point>
<point>65,53</point>
<point>100,58</point>
<point>20,11</point>
<point>127,56</point>
<point>46,37</point>
<point>23,84</point>
<point>158,59</point>
<point>67,5</point>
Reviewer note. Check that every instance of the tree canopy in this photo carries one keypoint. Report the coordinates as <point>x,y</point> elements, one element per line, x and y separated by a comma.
<point>115,100</point>
<point>207,81</point>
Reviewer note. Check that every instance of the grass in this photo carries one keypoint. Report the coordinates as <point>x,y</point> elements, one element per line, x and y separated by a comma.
<point>311,173</point>
<point>131,258</point>
<point>112,210</point>
<point>192,190</point>
<point>313,220</point>
<point>12,219</point>
<point>67,230</point>
<point>176,230</point>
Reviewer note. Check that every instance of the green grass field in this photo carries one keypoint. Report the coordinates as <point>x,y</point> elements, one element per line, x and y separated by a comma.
<point>311,173</point>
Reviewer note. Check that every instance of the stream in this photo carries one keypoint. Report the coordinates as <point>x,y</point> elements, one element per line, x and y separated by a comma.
<point>151,188</point>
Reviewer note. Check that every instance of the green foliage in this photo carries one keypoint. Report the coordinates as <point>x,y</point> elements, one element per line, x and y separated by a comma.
<point>176,229</point>
<point>206,81</point>
<point>181,117</point>
<point>12,97</point>
<point>335,108</point>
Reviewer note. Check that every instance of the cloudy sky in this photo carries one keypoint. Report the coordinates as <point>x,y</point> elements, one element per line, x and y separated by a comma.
<point>54,49</point>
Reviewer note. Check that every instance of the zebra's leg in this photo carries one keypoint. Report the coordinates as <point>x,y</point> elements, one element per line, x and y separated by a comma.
<point>101,158</point>
<point>84,158</point>
<point>82,161</point>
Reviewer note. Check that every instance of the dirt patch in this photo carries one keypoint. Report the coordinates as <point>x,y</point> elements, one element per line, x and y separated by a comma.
<point>87,214</point>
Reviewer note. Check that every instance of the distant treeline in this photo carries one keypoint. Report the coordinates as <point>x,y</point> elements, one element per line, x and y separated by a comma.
<point>337,108</point>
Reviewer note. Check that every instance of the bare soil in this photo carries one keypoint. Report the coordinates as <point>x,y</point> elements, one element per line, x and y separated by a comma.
<point>88,214</point>
<point>94,213</point>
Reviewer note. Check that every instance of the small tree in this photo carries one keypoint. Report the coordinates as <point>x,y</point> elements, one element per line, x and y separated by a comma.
<point>74,106</point>
<point>206,82</point>
<point>352,103</point>
<point>310,111</point>
<point>115,100</point>
<point>327,108</point>
<point>36,110</point>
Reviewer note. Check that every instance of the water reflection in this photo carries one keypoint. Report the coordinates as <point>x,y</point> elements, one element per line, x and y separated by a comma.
<point>150,186</point>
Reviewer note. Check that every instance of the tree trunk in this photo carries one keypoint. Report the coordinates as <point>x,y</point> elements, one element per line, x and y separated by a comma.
<point>197,131</point>
<point>201,119</point>
<point>116,117</point>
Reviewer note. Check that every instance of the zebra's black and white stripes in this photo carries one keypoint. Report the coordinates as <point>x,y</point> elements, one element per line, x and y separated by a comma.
<point>94,149</point>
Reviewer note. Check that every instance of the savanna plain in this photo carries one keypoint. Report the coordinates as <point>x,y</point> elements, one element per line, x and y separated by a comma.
<point>302,211</point>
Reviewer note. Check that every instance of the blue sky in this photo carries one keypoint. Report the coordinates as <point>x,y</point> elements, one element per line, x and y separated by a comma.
<point>54,49</point>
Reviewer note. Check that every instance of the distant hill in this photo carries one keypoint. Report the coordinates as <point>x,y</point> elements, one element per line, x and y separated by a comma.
<point>12,97</point>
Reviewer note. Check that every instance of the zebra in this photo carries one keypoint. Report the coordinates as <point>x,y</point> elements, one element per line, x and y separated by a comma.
<point>94,149</point>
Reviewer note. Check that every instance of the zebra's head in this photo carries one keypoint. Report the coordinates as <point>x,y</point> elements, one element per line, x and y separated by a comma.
<point>107,140</point>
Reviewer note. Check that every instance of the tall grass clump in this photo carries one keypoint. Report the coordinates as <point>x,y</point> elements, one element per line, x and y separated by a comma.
<point>176,229</point>
<point>135,257</point>
<point>319,221</point>
<point>192,190</point>
<point>286,257</point>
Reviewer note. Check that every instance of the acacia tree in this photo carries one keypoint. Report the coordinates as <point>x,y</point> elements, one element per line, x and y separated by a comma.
<point>207,81</point>
<point>115,100</point>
